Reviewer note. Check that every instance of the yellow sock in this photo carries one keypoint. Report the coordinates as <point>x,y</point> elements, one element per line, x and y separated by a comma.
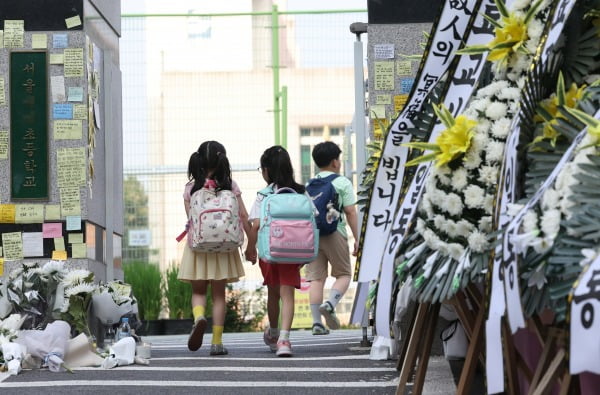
<point>198,311</point>
<point>217,335</point>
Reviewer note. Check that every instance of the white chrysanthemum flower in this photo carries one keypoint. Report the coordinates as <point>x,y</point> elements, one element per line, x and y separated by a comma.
<point>459,179</point>
<point>520,4</point>
<point>83,288</point>
<point>420,228</point>
<point>464,228</point>
<point>472,160</point>
<point>494,151</point>
<point>454,204</point>
<point>479,142</point>
<point>439,220</point>
<point>550,223</point>
<point>481,105</point>
<point>485,224</point>
<point>431,239</point>
<point>531,45</point>
<point>535,29</point>
<point>501,127</point>
<point>541,245</point>
<point>510,93</point>
<point>488,203</point>
<point>483,125</point>
<point>474,196</point>
<point>478,241</point>
<point>564,177</point>
<point>74,277</point>
<point>443,179</point>
<point>489,175</point>
<point>496,110</point>
<point>530,221</point>
<point>449,227</point>
<point>426,206</point>
<point>12,322</point>
<point>521,82</point>
<point>455,250</point>
<point>52,267</point>
<point>550,199</point>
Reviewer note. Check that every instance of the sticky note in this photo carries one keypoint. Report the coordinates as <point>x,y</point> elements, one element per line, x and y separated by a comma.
<point>75,238</point>
<point>60,40</point>
<point>1,266</point>
<point>7,213</point>
<point>73,222</point>
<point>73,21</point>
<point>39,41</point>
<point>57,58</point>
<point>60,255</point>
<point>3,144</point>
<point>75,93</point>
<point>78,250</point>
<point>59,243</point>
<point>52,212</point>
<point>51,230</point>
<point>29,213</point>
<point>62,111</point>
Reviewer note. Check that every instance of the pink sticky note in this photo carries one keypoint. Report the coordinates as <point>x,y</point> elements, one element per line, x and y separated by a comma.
<point>51,230</point>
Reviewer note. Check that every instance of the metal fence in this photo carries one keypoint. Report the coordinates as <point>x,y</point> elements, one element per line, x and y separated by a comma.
<point>248,80</point>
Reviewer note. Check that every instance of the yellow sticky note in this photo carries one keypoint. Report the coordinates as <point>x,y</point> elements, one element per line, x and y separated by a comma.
<point>59,243</point>
<point>383,99</point>
<point>68,129</point>
<point>3,144</point>
<point>384,75</point>
<point>14,31</point>
<point>377,111</point>
<point>1,266</point>
<point>7,213</point>
<point>1,38</point>
<point>2,94</point>
<point>12,244</point>
<point>1,252</point>
<point>59,255</point>
<point>57,58</point>
<point>404,67</point>
<point>73,59</point>
<point>73,21</point>
<point>52,212</point>
<point>78,250</point>
<point>71,166</point>
<point>399,102</point>
<point>75,238</point>
<point>70,203</point>
<point>29,213</point>
<point>39,41</point>
<point>80,111</point>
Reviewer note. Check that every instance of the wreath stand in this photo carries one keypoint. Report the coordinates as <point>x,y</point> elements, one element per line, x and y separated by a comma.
<point>414,354</point>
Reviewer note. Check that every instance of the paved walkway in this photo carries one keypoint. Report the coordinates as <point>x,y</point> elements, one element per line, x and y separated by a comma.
<point>334,364</point>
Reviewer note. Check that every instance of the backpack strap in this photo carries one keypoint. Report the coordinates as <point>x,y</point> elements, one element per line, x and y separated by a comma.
<point>266,191</point>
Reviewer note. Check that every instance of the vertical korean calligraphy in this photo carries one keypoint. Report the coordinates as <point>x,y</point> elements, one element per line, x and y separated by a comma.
<point>29,125</point>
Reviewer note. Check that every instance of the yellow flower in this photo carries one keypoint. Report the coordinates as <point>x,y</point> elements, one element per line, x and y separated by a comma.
<point>455,140</point>
<point>510,36</point>
<point>551,105</point>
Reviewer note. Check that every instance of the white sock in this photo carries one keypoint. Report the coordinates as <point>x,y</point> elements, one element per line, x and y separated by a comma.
<point>316,314</point>
<point>334,297</point>
<point>284,335</point>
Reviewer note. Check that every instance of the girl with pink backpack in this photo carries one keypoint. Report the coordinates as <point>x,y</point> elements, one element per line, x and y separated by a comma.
<point>280,278</point>
<point>209,173</point>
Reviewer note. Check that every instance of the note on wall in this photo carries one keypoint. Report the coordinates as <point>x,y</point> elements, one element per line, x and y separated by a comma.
<point>377,111</point>
<point>78,250</point>
<point>7,213</point>
<point>75,93</point>
<point>383,99</point>
<point>60,255</point>
<point>62,111</point>
<point>68,129</point>
<point>52,230</point>
<point>13,33</point>
<point>57,58</point>
<point>384,76</point>
<point>52,212</point>
<point>399,102</point>
<point>384,51</point>
<point>3,144</point>
<point>70,201</point>
<point>29,213</point>
<point>73,62</point>
<point>71,166</point>
<point>406,85</point>
<point>1,38</point>
<point>2,94</point>
<point>59,243</point>
<point>73,21</point>
<point>33,244</point>
<point>404,67</point>
<point>80,111</point>
<point>73,222</point>
<point>39,41</point>
<point>60,40</point>
<point>1,266</point>
<point>57,87</point>
<point>75,238</point>
<point>12,246</point>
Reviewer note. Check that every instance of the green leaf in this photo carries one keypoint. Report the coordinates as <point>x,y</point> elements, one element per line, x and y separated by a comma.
<point>421,159</point>
<point>532,11</point>
<point>560,90</point>
<point>473,50</point>
<point>422,146</point>
<point>501,8</point>
<point>444,115</point>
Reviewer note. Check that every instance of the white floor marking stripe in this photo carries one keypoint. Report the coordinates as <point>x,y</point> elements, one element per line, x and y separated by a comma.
<point>293,359</point>
<point>237,369</point>
<point>240,347</point>
<point>238,384</point>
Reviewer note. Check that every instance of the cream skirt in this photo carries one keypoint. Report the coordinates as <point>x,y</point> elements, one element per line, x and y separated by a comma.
<point>210,265</point>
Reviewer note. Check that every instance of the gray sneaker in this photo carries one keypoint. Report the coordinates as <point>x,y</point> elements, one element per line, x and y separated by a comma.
<point>319,329</point>
<point>327,311</point>
<point>218,349</point>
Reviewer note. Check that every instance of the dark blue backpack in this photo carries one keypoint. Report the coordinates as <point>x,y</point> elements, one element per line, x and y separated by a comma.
<point>325,199</point>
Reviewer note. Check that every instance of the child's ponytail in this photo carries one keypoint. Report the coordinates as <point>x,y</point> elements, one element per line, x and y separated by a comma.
<point>279,168</point>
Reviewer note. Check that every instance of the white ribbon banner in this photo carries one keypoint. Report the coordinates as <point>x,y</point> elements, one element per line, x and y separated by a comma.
<point>390,173</point>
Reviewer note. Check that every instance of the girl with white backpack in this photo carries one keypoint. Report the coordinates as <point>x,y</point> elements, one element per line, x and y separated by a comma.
<point>216,218</point>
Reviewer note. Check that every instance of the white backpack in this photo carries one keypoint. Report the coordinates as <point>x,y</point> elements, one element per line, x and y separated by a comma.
<point>214,221</point>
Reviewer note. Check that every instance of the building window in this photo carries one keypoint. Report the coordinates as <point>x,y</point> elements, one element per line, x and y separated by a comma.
<point>304,131</point>
<point>334,131</point>
<point>305,163</point>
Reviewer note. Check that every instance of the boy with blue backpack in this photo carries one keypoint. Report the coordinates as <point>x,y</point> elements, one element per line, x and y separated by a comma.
<point>334,198</point>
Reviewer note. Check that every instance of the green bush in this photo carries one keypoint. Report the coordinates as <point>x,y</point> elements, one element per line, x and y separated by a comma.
<point>178,294</point>
<point>238,317</point>
<point>145,281</point>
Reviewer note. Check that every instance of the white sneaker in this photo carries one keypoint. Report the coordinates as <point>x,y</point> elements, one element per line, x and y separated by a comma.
<point>284,348</point>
